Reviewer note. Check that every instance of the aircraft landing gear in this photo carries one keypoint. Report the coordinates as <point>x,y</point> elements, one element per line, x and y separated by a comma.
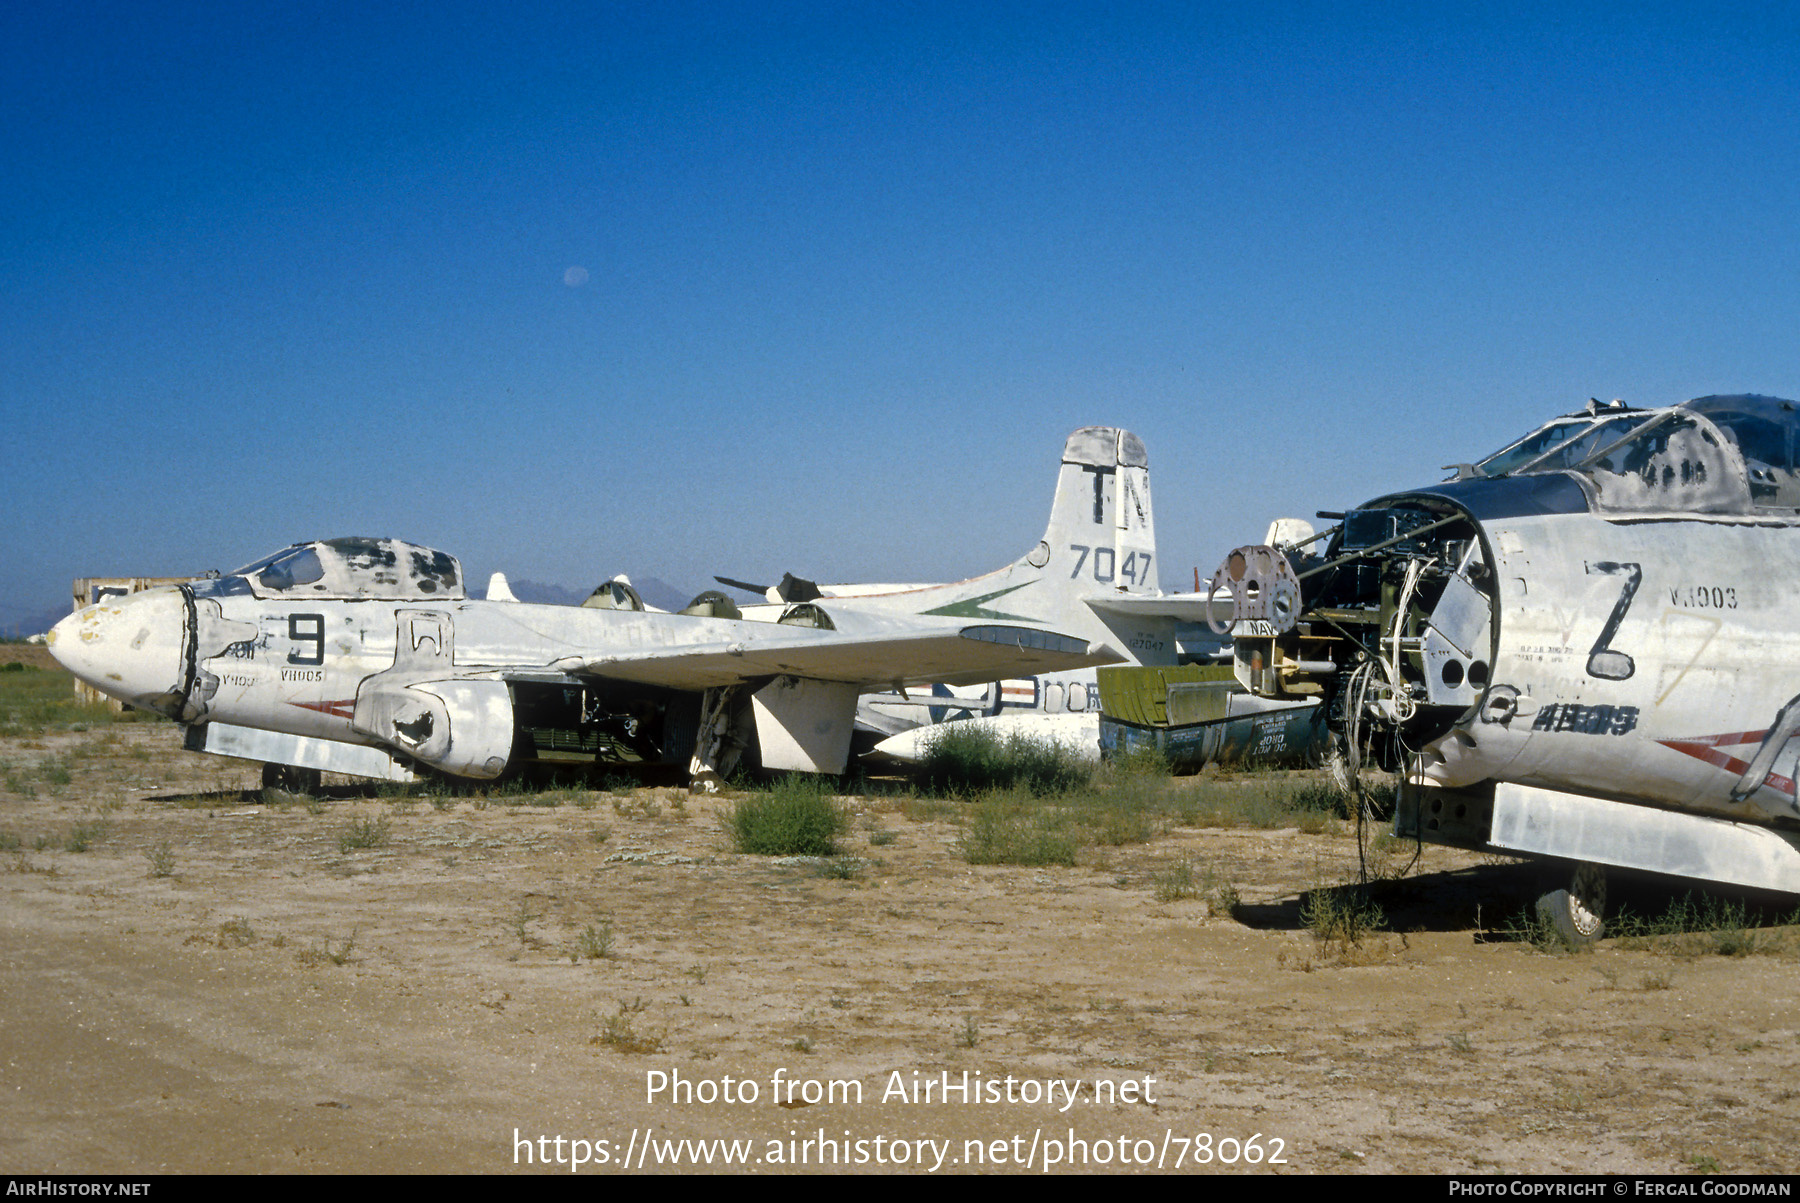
<point>1576,913</point>
<point>291,780</point>
<point>721,740</point>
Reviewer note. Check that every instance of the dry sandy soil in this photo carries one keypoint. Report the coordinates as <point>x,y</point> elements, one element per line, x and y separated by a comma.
<point>280,1001</point>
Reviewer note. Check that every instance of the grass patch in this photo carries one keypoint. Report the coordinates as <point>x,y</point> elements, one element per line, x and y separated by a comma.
<point>1705,925</point>
<point>325,954</point>
<point>964,760</point>
<point>642,806</point>
<point>1023,823</point>
<point>841,868</point>
<point>161,858</point>
<point>236,933</point>
<point>1341,917</point>
<point>1131,800</point>
<point>618,1031</point>
<point>34,701</point>
<point>1266,800</point>
<point>85,834</point>
<point>1176,882</point>
<point>595,943</point>
<point>796,816</point>
<point>363,833</point>
<point>57,771</point>
<point>1012,827</point>
<point>1531,927</point>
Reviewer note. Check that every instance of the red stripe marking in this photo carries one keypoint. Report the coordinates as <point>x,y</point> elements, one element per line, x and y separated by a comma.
<point>340,709</point>
<point>1706,747</point>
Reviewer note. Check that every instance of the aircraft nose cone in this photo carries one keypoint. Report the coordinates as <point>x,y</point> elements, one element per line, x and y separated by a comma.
<point>132,648</point>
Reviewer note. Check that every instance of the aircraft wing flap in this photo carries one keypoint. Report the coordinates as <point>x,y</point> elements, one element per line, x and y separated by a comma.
<point>956,656</point>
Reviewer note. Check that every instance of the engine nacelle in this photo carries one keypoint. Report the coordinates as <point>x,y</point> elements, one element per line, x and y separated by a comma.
<point>460,727</point>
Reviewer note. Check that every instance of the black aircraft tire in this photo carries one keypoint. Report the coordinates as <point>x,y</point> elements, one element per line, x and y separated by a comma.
<point>1577,913</point>
<point>291,780</point>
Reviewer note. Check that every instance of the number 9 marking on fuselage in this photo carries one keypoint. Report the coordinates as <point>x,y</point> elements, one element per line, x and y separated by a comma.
<point>306,630</point>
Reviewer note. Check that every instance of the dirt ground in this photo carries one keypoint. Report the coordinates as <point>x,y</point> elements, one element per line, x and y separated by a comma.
<point>221,983</point>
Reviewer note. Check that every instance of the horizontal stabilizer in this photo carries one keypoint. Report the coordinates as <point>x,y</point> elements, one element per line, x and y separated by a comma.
<point>1182,607</point>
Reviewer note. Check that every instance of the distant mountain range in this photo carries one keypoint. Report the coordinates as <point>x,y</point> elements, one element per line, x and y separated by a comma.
<point>31,623</point>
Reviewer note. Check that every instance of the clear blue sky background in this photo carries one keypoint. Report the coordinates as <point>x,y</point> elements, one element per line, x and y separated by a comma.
<point>677,289</point>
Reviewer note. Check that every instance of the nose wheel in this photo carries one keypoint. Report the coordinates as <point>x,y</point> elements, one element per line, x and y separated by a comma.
<point>1576,913</point>
<point>292,780</point>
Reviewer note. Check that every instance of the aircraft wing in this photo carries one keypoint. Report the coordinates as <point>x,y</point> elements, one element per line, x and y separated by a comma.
<point>882,653</point>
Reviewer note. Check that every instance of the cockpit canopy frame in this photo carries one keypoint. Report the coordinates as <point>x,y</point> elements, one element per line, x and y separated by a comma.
<point>354,569</point>
<point>1713,455</point>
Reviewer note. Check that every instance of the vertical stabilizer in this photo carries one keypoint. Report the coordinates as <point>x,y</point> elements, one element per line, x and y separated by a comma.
<point>1101,542</point>
<point>1101,533</point>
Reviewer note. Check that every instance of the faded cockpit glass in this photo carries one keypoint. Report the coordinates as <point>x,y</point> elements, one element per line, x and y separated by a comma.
<point>1712,455</point>
<point>1763,431</point>
<point>433,570</point>
<point>357,568</point>
<point>1677,461</point>
<point>1533,445</point>
<point>1596,438</point>
<point>256,566</point>
<point>296,566</point>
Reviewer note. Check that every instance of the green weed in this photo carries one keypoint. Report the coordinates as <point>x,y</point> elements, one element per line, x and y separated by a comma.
<point>364,833</point>
<point>161,858</point>
<point>797,816</point>
<point>1705,925</point>
<point>1532,927</point>
<point>1176,882</point>
<point>57,772</point>
<point>1341,917</point>
<point>236,933</point>
<point>523,918</point>
<point>638,806</point>
<point>1010,827</point>
<point>85,834</point>
<point>34,701</point>
<point>341,954</point>
<point>595,943</point>
<point>325,954</point>
<point>619,1031</point>
<point>964,760</point>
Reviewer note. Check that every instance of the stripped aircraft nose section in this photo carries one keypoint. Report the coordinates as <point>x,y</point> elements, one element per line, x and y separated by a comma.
<point>132,648</point>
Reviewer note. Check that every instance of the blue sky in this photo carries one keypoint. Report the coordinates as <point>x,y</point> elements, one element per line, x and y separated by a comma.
<point>678,290</point>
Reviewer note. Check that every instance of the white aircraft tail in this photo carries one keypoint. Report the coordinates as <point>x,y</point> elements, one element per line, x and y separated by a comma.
<point>1101,532</point>
<point>1100,543</point>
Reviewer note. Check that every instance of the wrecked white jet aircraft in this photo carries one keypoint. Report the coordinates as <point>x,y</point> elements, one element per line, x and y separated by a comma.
<point>1582,648</point>
<point>366,657</point>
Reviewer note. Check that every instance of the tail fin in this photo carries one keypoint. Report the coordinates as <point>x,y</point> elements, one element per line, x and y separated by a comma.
<point>1101,531</point>
<point>1101,543</point>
